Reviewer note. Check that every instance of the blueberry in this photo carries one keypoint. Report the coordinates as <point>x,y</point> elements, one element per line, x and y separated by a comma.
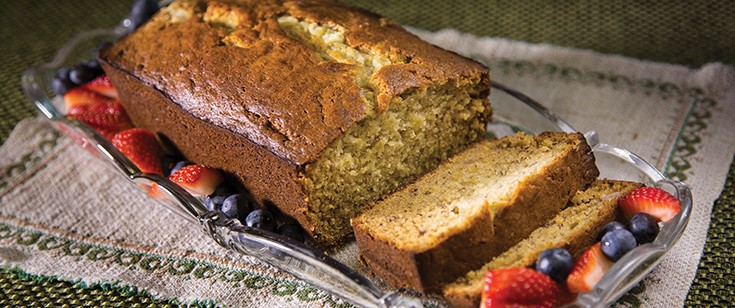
<point>617,243</point>
<point>609,228</point>
<point>556,263</point>
<point>144,8</point>
<point>60,83</point>
<point>60,86</point>
<point>180,165</point>
<point>141,11</point>
<point>214,203</point>
<point>81,74</point>
<point>238,206</point>
<point>291,231</point>
<point>261,219</point>
<point>644,228</point>
<point>229,207</point>
<point>93,66</point>
<point>62,73</point>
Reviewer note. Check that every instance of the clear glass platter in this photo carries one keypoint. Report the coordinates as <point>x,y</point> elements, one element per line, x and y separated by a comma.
<point>513,112</point>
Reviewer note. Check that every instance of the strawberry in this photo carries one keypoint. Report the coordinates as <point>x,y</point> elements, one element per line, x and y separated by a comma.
<point>522,287</point>
<point>101,85</point>
<point>82,97</point>
<point>141,147</point>
<point>197,179</point>
<point>79,139</point>
<point>155,192</point>
<point>588,270</point>
<point>651,200</point>
<point>107,117</point>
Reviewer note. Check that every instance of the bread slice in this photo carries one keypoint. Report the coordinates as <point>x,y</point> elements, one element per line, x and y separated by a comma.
<point>574,229</point>
<point>471,208</point>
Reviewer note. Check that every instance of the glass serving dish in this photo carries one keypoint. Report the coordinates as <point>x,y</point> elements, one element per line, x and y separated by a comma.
<point>512,110</point>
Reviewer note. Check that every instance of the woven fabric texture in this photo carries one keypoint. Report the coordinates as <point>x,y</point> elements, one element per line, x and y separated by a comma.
<point>683,32</point>
<point>715,281</point>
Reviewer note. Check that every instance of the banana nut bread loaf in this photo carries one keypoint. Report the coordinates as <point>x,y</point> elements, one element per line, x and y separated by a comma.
<point>314,106</point>
<point>471,208</point>
<point>574,229</point>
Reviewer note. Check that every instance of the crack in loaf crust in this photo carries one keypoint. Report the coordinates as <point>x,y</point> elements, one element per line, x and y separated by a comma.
<point>574,229</point>
<point>314,106</point>
<point>471,208</point>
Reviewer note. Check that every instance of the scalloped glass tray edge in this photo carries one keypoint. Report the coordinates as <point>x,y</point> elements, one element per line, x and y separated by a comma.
<point>310,264</point>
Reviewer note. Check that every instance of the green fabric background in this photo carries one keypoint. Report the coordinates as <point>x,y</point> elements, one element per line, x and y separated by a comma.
<point>689,33</point>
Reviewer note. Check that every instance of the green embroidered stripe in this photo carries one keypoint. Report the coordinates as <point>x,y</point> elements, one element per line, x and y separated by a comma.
<point>28,160</point>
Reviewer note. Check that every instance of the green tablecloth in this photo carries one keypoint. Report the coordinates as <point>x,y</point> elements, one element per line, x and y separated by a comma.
<point>690,34</point>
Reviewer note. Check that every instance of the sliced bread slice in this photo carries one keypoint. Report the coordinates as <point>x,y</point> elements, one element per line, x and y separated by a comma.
<point>472,208</point>
<point>574,229</point>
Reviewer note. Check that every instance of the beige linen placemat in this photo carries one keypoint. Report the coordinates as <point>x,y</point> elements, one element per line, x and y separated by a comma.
<point>65,214</point>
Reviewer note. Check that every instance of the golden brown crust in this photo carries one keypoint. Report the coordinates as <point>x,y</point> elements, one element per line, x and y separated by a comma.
<point>424,65</point>
<point>535,201</point>
<point>295,103</point>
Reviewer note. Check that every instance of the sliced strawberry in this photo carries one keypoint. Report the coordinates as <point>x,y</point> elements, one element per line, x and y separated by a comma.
<point>522,287</point>
<point>141,147</point>
<point>197,179</point>
<point>107,117</point>
<point>651,200</point>
<point>588,270</point>
<point>78,138</point>
<point>156,192</point>
<point>101,85</point>
<point>82,97</point>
